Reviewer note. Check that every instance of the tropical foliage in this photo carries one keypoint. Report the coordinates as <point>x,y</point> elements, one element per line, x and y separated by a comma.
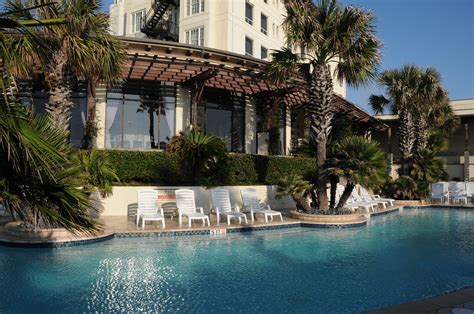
<point>332,40</point>
<point>96,172</point>
<point>203,156</point>
<point>415,94</point>
<point>296,187</point>
<point>38,178</point>
<point>359,161</point>
<point>79,49</point>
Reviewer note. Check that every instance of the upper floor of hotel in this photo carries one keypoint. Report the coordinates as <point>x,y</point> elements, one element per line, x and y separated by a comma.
<point>247,27</point>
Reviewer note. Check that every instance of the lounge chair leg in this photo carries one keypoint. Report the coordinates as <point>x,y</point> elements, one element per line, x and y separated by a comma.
<point>189,221</point>
<point>240,220</point>
<point>163,223</point>
<point>143,224</point>
<point>208,222</point>
<point>218,219</point>
<point>246,221</point>
<point>266,218</point>
<point>203,222</point>
<point>281,217</point>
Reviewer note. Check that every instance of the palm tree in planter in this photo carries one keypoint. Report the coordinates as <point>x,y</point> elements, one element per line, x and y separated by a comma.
<point>332,40</point>
<point>359,161</point>
<point>296,187</point>
<point>81,48</point>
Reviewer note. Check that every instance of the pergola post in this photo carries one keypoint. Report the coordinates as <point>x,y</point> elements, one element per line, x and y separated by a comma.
<point>196,83</point>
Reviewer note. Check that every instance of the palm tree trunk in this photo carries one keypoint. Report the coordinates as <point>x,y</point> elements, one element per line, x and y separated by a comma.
<point>90,129</point>
<point>421,134</point>
<point>334,180</point>
<point>321,114</point>
<point>59,102</point>
<point>406,131</point>
<point>301,202</point>
<point>345,195</point>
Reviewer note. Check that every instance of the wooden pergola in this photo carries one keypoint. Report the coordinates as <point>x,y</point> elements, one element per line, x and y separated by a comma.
<point>198,67</point>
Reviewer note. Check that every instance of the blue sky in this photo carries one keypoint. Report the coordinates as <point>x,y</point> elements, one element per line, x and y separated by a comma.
<point>437,33</point>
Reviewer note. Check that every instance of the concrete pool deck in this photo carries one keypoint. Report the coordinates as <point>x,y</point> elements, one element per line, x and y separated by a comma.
<point>440,304</point>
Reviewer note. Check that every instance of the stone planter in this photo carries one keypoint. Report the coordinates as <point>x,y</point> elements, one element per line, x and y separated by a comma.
<point>42,235</point>
<point>328,219</point>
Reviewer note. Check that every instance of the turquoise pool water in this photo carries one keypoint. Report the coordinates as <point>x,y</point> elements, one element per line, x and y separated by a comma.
<point>396,258</point>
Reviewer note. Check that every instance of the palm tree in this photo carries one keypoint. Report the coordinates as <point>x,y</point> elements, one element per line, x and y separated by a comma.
<point>414,93</point>
<point>359,161</point>
<point>426,166</point>
<point>80,48</point>
<point>331,39</point>
<point>36,175</point>
<point>296,187</point>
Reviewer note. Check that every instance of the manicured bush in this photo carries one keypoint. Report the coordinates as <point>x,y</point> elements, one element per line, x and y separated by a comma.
<point>242,170</point>
<point>160,168</point>
<point>135,167</point>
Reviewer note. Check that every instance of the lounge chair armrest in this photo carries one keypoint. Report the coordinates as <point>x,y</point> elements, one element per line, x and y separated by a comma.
<point>214,210</point>
<point>236,208</point>
<point>161,211</point>
<point>200,209</point>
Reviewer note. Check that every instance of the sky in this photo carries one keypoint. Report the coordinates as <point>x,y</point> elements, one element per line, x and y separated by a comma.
<point>436,33</point>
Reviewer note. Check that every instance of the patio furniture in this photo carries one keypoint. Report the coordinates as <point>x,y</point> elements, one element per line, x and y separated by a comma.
<point>365,194</point>
<point>251,202</point>
<point>352,201</point>
<point>221,204</point>
<point>187,207</point>
<point>368,198</point>
<point>470,190</point>
<point>147,209</point>
<point>439,191</point>
<point>458,193</point>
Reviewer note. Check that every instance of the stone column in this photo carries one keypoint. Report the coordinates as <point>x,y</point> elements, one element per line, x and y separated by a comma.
<point>101,109</point>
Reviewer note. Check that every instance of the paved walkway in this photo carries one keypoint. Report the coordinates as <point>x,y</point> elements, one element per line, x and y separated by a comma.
<point>457,302</point>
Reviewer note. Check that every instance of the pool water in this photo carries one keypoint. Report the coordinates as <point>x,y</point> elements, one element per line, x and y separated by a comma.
<point>396,258</point>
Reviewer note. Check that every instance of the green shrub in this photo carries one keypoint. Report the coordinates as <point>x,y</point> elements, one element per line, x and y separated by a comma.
<point>278,167</point>
<point>242,170</point>
<point>163,168</point>
<point>146,167</point>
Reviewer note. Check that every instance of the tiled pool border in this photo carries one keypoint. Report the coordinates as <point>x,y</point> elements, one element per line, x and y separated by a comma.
<point>207,231</point>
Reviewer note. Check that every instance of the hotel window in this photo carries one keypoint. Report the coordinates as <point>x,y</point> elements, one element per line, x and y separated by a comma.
<point>263,52</point>
<point>195,36</point>
<point>248,46</point>
<point>249,13</point>
<point>194,7</point>
<point>138,18</point>
<point>140,115</point>
<point>264,24</point>
<point>222,113</point>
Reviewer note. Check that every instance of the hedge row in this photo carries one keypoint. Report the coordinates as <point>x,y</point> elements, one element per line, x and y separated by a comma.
<point>160,168</point>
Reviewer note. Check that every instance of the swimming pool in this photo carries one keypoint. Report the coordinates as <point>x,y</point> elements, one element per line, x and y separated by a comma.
<point>396,258</point>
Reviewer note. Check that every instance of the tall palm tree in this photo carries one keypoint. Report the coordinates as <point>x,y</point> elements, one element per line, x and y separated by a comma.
<point>35,170</point>
<point>81,48</point>
<point>359,161</point>
<point>414,93</point>
<point>332,40</point>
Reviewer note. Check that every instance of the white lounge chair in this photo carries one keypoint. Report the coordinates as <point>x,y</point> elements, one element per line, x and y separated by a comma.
<point>368,198</point>
<point>187,207</point>
<point>251,202</point>
<point>470,190</point>
<point>339,191</point>
<point>439,191</point>
<point>352,201</point>
<point>458,193</point>
<point>147,209</point>
<point>221,203</point>
<point>365,194</point>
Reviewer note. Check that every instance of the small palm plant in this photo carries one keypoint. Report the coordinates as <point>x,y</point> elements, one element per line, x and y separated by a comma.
<point>426,166</point>
<point>203,156</point>
<point>359,161</point>
<point>296,187</point>
<point>97,172</point>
